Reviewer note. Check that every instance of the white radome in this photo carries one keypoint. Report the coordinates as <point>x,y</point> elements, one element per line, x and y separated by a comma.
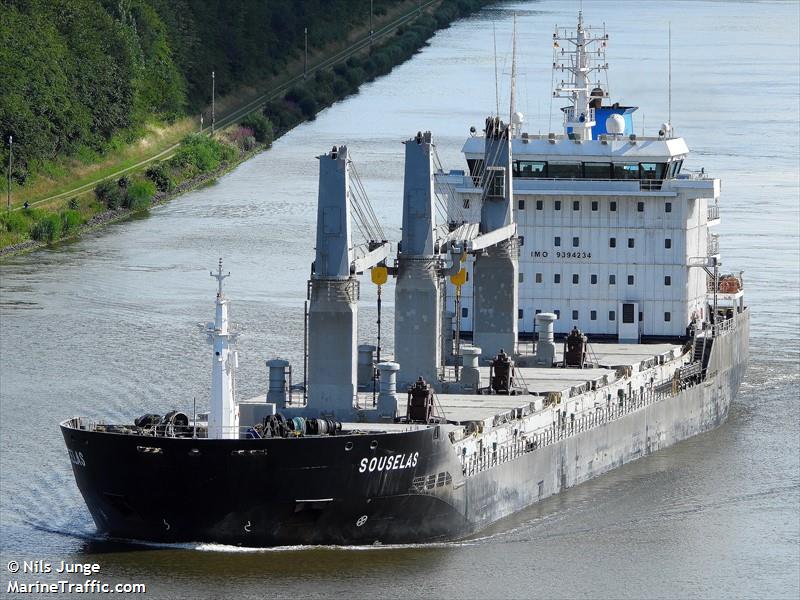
<point>517,118</point>
<point>615,124</point>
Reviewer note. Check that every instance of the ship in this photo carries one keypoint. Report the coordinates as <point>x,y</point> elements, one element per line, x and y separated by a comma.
<point>560,311</point>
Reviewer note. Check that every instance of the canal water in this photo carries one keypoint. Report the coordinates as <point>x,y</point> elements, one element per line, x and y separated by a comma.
<point>107,326</point>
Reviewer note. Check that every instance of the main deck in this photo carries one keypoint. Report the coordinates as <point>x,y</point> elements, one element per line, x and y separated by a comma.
<point>536,384</point>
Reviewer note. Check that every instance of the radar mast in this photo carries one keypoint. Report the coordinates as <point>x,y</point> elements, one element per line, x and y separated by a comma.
<point>581,53</point>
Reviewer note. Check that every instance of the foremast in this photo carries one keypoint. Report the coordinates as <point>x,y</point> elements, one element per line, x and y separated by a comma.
<point>222,417</point>
<point>580,53</point>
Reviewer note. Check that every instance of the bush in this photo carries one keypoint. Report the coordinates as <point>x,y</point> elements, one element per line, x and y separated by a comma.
<point>309,107</point>
<point>282,114</point>
<point>109,193</point>
<point>261,127</point>
<point>244,138</point>
<point>47,229</point>
<point>160,176</point>
<point>296,94</point>
<point>199,154</point>
<point>247,143</point>
<point>70,220</point>
<point>140,195</point>
<point>14,221</point>
<point>340,87</point>
<point>227,153</point>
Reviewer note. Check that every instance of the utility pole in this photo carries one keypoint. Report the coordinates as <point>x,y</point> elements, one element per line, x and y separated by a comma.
<point>305,56</point>
<point>371,31</point>
<point>213,92</point>
<point>10,153</point>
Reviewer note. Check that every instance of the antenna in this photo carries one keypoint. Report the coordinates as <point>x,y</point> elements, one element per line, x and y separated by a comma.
<point>669,85</point>
<point>511,107</point>
<point>496,83</point>
<point>219,276</point>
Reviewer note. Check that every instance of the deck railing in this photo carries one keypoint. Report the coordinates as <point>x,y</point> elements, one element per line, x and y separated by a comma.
<point>568,427</point>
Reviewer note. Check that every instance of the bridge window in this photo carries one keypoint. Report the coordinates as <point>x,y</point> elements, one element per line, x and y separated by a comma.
<point>527,169</point>
<point>557,278</point>
<point>630,279</point>
<point>668,207</point>
<point>521,205</point>
<point>612,279</point>
<point>464,312</point>
<point>539,204</point>
<point>574,315</point>
<point>612,315</point>
<point>640,206</point>
<point>597,170</point>
<point>593,279</point>
<point>557,240</point>
<point>576,205</point>
<point>576,242</point>
<point>538,278</point>
<point>594,205</point>
<point>667,317</point>
<point>671,169</point>
<point>612,242</point>
<point>520,313</point>
<point>521,276</point>
<point>626,171</point>
<point>593,315</point>
<point>631,242</point>
<point>565,170</point>
<point>557,313</point>
<point>667,280</point>
<point>653,170</point>
<point>668,243</point>
<point>575,278</point>
<point>557,204</point>
<point>612,206</point>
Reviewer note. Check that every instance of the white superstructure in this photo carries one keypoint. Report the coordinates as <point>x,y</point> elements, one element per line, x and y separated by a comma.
<point>613,237</point>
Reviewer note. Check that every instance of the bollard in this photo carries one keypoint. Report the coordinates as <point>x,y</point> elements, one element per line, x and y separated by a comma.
<point>470,375</point>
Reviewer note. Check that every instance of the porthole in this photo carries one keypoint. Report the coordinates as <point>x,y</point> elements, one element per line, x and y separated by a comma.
<point>348,446</point>
<point>373,444</point>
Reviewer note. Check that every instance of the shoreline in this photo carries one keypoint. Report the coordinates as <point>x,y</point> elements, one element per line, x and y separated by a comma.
<point>117,215</point>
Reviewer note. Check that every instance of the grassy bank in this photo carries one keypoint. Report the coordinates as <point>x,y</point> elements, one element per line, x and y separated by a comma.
<point>199,158</point>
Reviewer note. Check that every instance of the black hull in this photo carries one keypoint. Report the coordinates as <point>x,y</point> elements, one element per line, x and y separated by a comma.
<point>267,492</point>
<point>319,490</point>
